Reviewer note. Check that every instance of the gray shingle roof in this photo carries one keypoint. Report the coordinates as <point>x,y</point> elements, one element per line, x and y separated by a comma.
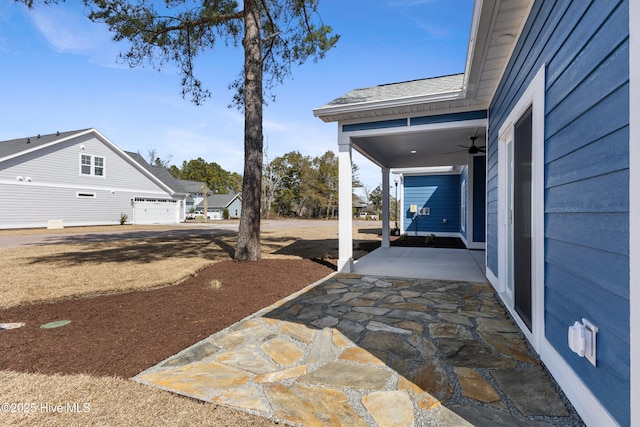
<point>14,146</point>
<point>159,172</point>
<point>193,187</point>
<point>385,92</point>
<point>219,200</point>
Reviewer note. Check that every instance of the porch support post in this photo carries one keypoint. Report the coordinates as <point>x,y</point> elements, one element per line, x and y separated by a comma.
<point>345,206</point>
<point>385,207</point>
<point>400,203</point>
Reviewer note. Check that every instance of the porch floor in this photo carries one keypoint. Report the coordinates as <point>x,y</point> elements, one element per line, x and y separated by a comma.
<point>367,350</point>
<point>424,263</point>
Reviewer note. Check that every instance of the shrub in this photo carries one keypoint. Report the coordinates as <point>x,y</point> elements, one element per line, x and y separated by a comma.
<point>430,239</point>
<point>225,213</point>
<point>123,218</point>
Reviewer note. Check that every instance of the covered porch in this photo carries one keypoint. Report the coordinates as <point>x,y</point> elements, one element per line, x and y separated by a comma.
<point>414,147</point>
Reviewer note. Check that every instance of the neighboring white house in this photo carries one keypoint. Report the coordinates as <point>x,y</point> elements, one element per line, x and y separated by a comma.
<point>217,203</point>
<point>80,178</point>
<point>176,187</point>
<point>195,191</point>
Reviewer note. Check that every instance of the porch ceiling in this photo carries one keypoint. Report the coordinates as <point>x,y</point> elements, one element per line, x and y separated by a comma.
<point>432,148</point>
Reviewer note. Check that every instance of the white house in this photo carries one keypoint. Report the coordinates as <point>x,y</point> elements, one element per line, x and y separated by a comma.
<point>80,178</point>
<point>217,203</point>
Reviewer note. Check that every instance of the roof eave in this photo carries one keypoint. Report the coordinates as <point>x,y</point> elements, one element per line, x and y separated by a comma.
<point>327,113</point>
<point>43,146</point>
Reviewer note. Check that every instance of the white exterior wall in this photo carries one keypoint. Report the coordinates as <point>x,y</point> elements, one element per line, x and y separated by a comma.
<point>51,180</point>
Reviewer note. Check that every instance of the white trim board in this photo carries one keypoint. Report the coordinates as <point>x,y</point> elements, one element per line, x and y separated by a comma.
<point>534,96</point>
<point>634,210</point>
<point>593,413</point>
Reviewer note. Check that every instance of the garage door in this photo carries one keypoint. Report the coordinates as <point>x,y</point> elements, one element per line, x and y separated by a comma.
<point>154,211</point>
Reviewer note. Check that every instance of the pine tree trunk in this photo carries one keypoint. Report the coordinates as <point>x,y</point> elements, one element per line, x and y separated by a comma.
<point>248,246</point>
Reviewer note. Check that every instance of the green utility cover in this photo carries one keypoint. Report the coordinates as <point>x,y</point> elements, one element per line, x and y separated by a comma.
<point>55,324</point>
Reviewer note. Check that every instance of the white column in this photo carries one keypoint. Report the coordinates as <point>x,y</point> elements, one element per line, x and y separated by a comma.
<point>385,207</point>
<point>345,207</point>
<point>634,210</point>
<point>401,204</point>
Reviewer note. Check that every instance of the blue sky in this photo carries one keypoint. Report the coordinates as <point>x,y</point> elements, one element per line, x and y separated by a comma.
<point>60,73</point>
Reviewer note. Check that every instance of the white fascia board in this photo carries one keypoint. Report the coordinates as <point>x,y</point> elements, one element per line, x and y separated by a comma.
<point>388,103</point>
<point>431,170</point>
<point>473,36</point>
<point>137,165</point>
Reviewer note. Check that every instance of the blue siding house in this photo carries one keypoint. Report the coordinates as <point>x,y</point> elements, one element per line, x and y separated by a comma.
<point>551,92</point>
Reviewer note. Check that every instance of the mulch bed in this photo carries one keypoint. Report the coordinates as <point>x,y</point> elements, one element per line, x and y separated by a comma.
<point>421,242</point>
<point>123,334</point>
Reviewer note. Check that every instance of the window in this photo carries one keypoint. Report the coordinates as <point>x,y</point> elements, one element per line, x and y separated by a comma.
<point>91,165</point>
<point>85,164</point>
<point>98,166</point>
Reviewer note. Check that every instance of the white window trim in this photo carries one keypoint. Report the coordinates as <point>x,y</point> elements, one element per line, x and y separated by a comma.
<point>92,170</point>
<point>534,96</point>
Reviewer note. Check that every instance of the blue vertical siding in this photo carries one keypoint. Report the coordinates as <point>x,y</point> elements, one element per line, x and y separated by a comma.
<point>440,193</point>
<point>584,45</point>
<point>479,191</point>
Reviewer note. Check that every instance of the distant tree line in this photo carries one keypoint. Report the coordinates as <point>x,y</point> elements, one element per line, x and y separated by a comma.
<point>218,180</point>
<point>293,185</point>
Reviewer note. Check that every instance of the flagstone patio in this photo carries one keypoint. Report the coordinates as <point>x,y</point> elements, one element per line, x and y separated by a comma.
<point>374,351</point>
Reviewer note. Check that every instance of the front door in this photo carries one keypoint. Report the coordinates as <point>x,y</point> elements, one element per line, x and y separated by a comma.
<point>522,144</point>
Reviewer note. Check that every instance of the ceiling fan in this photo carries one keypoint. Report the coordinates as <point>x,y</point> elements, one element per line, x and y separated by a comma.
<point>473,148</point>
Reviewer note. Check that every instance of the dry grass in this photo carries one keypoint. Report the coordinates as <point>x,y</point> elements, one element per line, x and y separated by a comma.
<point>52,272</point>
<point>109,402</point>
<point>48,273</point>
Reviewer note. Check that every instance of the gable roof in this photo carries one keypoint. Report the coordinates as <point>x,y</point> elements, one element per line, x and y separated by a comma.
<point>193,187</point>
<point>160,172</point>
<point>10,148</point>
<point>16,147</point>
<point>220,200</point>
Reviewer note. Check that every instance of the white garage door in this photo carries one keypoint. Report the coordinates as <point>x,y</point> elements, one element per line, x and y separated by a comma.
<point>154,211</point>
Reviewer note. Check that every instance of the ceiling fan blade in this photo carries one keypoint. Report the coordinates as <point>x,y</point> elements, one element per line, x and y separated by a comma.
<point>457,151</point>
<point>463,146</point>
<point>482,150</point>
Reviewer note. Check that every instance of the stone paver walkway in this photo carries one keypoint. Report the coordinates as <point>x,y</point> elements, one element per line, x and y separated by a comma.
<point>374,351</point>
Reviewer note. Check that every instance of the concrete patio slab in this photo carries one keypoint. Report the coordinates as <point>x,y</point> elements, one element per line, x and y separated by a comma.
<point>424,263</point>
